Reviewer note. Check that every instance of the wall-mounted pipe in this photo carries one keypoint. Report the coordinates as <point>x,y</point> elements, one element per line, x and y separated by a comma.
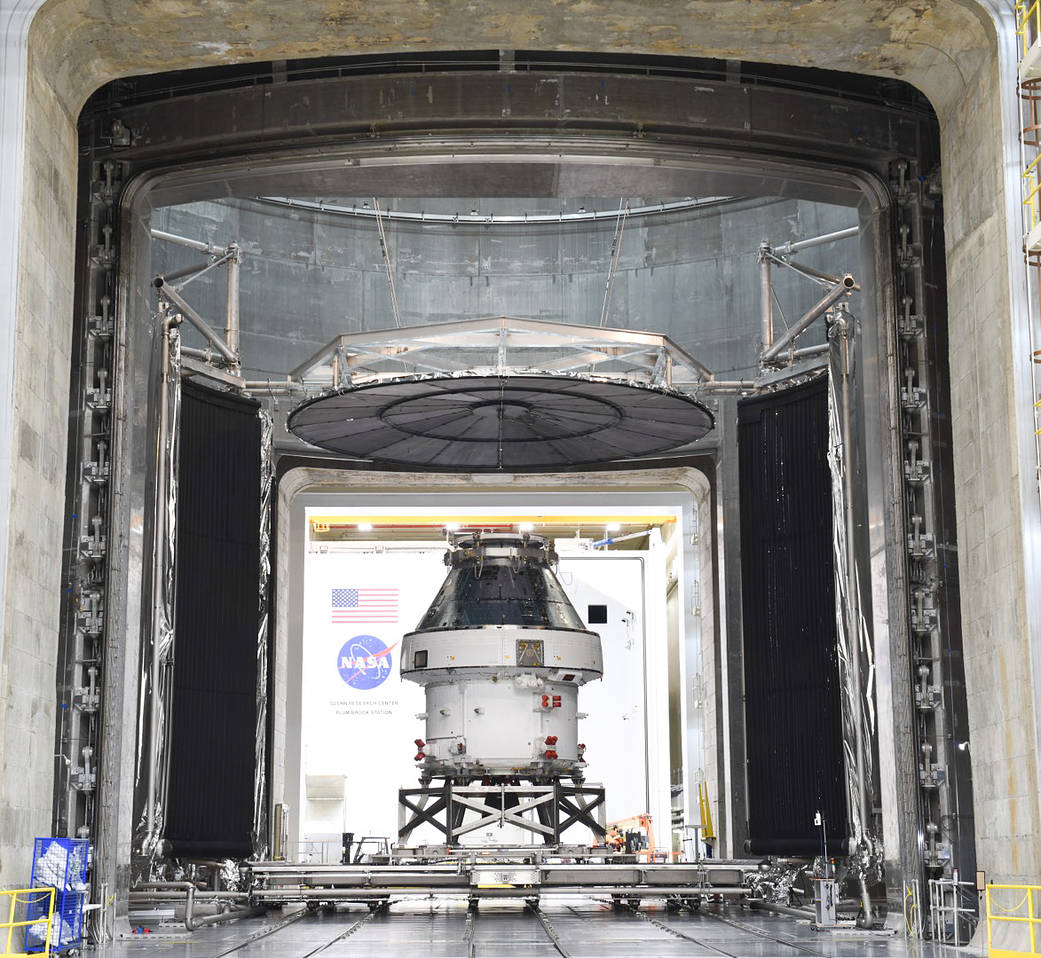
<point>789,247</point>
<point>232,324</point>
<point>727,385</point>
<point>185,241</point>
<point>627,536</point>
<point>276,388</point>
<point>488,219</point>
<point>766,305</point>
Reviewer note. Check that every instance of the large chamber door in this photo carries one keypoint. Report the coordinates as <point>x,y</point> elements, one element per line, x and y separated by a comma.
<point>217,725</point>
<point>793,702</point>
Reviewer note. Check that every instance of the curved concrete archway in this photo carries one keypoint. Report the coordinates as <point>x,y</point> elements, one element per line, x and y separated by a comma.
<point>55,54</point>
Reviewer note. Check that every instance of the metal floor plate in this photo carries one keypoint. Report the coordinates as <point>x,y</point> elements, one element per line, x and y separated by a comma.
<point>581,927</point>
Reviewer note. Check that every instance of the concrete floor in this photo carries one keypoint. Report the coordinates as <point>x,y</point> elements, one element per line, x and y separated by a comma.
<point>581,927</point>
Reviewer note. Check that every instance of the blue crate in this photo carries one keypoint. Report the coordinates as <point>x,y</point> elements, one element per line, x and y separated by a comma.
<point>60,863</point>
<point>66,926</point>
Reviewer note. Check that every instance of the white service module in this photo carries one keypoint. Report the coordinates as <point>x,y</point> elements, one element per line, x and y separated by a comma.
<point>501,653</point>
<point>359,719</point>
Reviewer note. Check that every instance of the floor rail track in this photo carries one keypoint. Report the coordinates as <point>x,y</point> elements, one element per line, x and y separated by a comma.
<point>547,927</point>
<point>343,934</point>
<point>262,933</point>
<point>751,930</point>
<point>671,931</point>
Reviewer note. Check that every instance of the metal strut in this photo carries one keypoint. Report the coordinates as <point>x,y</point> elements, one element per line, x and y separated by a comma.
<point>616,253</point>
<point>384,249</point>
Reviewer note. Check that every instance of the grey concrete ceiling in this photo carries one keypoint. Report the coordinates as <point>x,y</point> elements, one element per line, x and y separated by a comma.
<point>934,44</point>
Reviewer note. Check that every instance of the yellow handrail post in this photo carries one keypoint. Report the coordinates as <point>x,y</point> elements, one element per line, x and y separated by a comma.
<point>990,941</point>
<point>50,920</point>
<point>10,921</point>
<point>1030,916</point>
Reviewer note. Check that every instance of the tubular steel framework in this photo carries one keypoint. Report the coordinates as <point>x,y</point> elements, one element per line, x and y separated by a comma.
<point>544,811</point>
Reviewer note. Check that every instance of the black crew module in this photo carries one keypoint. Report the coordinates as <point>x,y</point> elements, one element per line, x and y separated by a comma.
<point>490,423</point>
<point>518,588</point>
<point>213,722</point>
<point>792,697</point>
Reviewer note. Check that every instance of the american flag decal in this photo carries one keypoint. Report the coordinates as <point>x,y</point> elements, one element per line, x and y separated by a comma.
<point>364,605</point>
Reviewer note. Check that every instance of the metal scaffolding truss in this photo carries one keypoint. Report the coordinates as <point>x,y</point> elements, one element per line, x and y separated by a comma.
<point>496,346</point>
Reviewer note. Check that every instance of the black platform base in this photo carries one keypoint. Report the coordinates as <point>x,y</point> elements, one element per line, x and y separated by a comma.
<point>546,811</point>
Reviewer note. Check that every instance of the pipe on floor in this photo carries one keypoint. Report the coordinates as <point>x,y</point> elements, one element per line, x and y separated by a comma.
<point>866,917</point>
<point>164,892</point>
<point>781,909</point>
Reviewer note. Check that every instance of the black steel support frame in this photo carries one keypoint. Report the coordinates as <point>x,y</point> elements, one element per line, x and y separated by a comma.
<point>556,806</point>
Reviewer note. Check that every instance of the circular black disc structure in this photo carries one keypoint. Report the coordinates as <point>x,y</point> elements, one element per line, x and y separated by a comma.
<point>493,423</point>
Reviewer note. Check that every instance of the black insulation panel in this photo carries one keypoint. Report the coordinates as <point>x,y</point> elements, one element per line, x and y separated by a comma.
<point>214,715</point>
<point>792,695</point>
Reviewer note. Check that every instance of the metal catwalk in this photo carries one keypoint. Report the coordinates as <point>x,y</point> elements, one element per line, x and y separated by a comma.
<point>582,927</point>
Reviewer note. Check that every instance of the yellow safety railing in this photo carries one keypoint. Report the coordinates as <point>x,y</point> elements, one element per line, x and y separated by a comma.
<point>1014,919</point>
<point>1033,189</point>
<point>21,902</point>
<point>1028,24</point>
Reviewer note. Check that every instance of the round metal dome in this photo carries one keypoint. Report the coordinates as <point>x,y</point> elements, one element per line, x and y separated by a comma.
<point>492,423</point>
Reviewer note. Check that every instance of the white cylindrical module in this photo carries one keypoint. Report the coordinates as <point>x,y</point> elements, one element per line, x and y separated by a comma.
<point>501,653</point>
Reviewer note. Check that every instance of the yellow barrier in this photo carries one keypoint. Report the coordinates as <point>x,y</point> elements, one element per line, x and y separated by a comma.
<point>1017,924</point>
<point>1033,187</point>
<point>21,901</point>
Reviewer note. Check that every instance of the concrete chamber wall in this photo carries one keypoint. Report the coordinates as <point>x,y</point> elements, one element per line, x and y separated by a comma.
<point>947,48</point>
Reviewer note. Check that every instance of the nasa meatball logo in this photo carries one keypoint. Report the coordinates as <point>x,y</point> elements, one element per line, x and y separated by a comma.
<point>364,662</point>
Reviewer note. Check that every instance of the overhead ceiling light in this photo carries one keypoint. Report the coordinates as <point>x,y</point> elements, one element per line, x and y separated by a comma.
<point>365,527</point>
